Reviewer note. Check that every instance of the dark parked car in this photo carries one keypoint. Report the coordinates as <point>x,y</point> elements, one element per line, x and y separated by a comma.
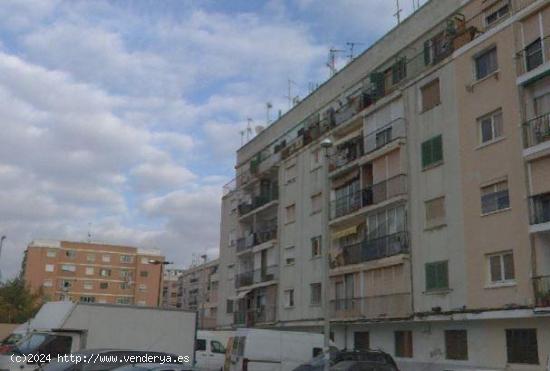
<point>377,357</point>
<point>362,366</point>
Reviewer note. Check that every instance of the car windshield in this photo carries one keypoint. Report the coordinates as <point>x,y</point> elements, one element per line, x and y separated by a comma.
<point>31,343</point>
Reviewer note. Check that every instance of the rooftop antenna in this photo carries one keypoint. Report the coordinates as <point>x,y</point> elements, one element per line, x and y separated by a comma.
<point>242,137</point>
<point>351,45</point>
<point>90,232</point>
<point>331,64</point>
<point>398,11</point>
<point>289,96</point>
<point>268,107</point>
<point>248,128</point>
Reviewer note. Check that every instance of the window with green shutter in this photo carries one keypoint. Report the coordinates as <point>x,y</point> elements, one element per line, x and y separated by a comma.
<point>437,276</point>
<point>432,151</point>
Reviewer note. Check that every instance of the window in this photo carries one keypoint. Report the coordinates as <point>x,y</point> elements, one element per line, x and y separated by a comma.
<point>142,288</point>
<point>48,283</point>
<point>217,347</point>
<point>495,15</point>
<point>200,345</point>
<point>89,271</point>
<point>437,276</point>
<point>124,285</point>
<point>289,255</point>
<point>125,274</point>
<point>361,340</point>
<point>403,344</point>
<point>70,254</point>
<point>289,298</point>
<point>490,127</point>
<point>144,274</point>
<point>126,259</point>
<point>291,213</point>
<point>399,71</point>
<point>486,63</point>
<point>88,285</point>
<point>49,267</point>
<point>315,293</point>
<point>90,258</point>
<point>87,299</point>
<point>105,272</point>
<point>65,284</point>
<point>68,268</point>
<point>430,95</point>
<point>124,300</point>
<point>432,151</point>
<point>229,306</point>
<point>106,258</point>
<point>522,346</point>
<point>435,212</point>
<point>316,247</point>
<point>103,285</point>
<point>51,253</point>
<point>533,55</point>
<point>316,203</point>
<point>456,344</point>
<point>495,197</point>
<point>501,267</point>
<point>232,237</point>
<point>59,345</point>
<point>290,173</point>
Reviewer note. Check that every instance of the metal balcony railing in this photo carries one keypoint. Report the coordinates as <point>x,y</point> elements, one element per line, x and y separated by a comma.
<point>540,208</point>
<point>259,201</point>
<point>372,249</point>
<point>371,195</point>
<point>255,239</point>
<point>385,306</point>
<point>257,276</point>
<point>536,131</point>
<point>347,153</point>
<point>261,314</point>
<point>533,55</point>
<point>384,135</point>
<point>541,285</point>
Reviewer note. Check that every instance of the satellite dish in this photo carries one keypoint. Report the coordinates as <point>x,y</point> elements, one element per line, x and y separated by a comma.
<point>258,129</point>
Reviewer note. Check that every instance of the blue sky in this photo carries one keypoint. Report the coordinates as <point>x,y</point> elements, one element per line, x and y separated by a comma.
<point>122,117</point>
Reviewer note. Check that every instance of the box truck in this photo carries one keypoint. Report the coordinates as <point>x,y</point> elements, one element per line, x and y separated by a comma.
<point>65,327</point>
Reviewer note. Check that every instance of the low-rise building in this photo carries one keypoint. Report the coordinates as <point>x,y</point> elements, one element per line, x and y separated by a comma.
<point>170,288</point>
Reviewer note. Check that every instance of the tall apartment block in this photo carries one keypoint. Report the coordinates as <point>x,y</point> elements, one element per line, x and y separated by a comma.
<point>436,190</point>
<point>170,288</point>
<point>198,291</point>
<point>93,272</point>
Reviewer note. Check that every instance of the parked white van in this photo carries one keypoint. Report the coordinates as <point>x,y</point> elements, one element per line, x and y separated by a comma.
<point>210,349</point>
<point>271,350</point>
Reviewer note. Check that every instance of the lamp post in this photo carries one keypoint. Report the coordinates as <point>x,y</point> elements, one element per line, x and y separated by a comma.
<point>326,144</point>
<point>162,264</point>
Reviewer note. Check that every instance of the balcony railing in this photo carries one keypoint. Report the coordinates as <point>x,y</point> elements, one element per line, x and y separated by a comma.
<point>259,201</point>
<point>384,135</point>
<point>541,285</point>
<point>533,55</point>
<point>537,130</point>
<point>257,276</point>
<point>372,249</point>
<point>255,239</point>
<point>347,153</point>
<point>239,318</point>
<point>255,316</point>
<point>371,195</point>
<point>540,208</point>
<point>381,306</point>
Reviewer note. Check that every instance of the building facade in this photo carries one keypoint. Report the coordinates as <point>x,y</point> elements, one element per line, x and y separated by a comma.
<point>198,291</point>
<point>93,272</point>
<point>432,205</point>
<point>170,288</point>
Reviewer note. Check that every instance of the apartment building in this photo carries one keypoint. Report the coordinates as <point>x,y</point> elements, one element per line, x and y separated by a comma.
<point>93,272</point>
<point>198,291</point>
<point>432,205</point>
<point>170,288</point>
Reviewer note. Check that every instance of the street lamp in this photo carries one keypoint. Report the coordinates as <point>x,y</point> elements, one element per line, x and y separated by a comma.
<point>326,144</point>
<point>162,263</point>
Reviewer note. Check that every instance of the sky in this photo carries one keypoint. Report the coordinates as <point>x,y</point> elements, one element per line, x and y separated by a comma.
<point>120,119</point>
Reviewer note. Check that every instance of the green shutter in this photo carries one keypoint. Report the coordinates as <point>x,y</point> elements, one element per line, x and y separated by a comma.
<point>443,275</point>
<point>437,276</point>
<point>437,148</point>
<point>427,56</point>
<point>426,153</point>
<point>430,277</point>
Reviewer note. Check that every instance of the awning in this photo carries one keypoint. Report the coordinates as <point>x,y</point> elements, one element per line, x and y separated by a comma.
<point>240,295</point>
<point>345,232</point>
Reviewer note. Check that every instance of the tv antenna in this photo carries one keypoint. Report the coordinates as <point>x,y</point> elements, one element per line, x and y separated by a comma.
<point>289,96</point>
<point>351,46</point>
<point>248,128</point>
<point>90,232</point>
<point>398,11</point>
<point>331,64</point>
<point>268,107</point>
<point>416,5</point>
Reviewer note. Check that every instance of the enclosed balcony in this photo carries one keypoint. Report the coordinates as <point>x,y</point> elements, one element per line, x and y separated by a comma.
<point>540,210</point>
<point>385,135</point>
<point>372,307</point>
<point>541,285</point>
<point>531,60</point>
<point>253,277</point>
<point>263,235</point>
<point>346,153</point>
<point>266,196</point>
<point>536,131</point>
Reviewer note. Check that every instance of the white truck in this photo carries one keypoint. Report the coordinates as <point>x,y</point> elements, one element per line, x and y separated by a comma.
<point>65,327</point>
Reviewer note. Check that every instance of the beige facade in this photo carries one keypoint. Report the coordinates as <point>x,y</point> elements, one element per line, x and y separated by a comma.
<point>93,272</point>
<point>436,191</point>
<point>171,288</point>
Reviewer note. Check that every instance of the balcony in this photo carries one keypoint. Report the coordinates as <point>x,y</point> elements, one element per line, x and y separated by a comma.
<point>371,195</point>
<point>346,153</point>
<point>541,285</point>
<point>259,201</point>
<point>531,60</point>
<point>372,249</point>
<point>536,132</point>
<point>207,322</point>
<point>372,307</point>
<point>256,316</point>
<point>262,236</point>
<point>540,212</point>
<point>249,278</point>
<point>385,135</point>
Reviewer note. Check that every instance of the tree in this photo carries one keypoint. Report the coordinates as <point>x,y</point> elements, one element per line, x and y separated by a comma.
<point>17,303</point>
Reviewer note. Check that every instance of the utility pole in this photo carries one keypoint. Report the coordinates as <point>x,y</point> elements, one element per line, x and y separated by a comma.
<point>398,12</point>
<point>331,64</point>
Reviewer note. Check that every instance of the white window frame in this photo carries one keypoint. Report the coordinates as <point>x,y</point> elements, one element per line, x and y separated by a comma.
<point>88,285</point>
<point>90,258</point>
<point>494,137</point>
<point>68,268</point>
<point>290,254</point>
<point>49,268</point>
<point>290,300</point>
<point>89,271</point>
<point>126,259</point>
<point>47,283</point>
<point>51,253</point>
<point>106,258</point>
<point>503,281</point>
